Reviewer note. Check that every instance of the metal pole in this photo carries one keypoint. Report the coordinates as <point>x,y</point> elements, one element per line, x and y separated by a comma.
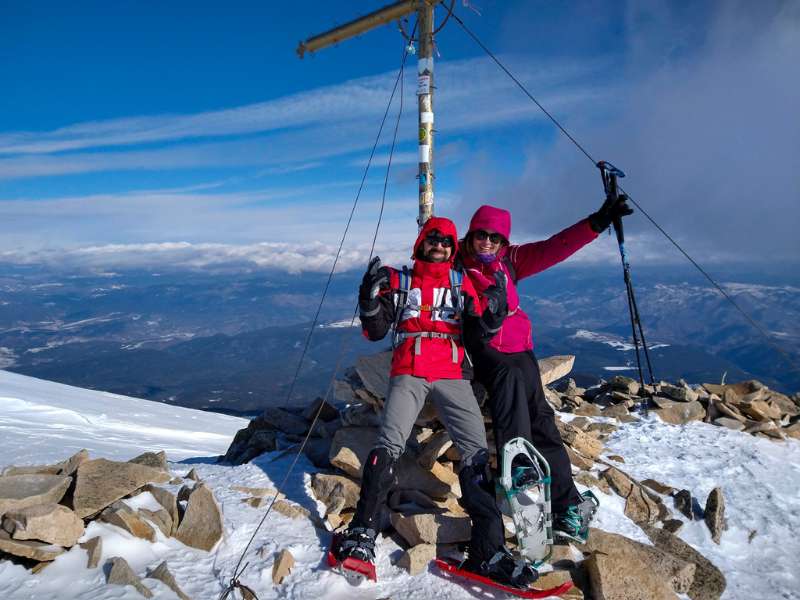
<point>425,101</point>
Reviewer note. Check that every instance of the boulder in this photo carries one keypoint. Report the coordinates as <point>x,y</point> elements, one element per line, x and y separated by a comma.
<point>163,574</point>
<point>290,509</point>
<point>350,448</point>
<point>555,367</point>
<point>591,481</point>
<point>336,492</point>
<point>672,525</point>
<point>413,501</point>
<point>714,514</point>
<point>615,411</point>
<point>192,474</point>
<point>440,482</point>
<point>729,411</point>
<point>625,384</point>
<point>580,441</point>
<point>443,528</point>
<point>22,491</point>
<point>415,560</point>
<point>602,428</point>
<point>318,450</point>
<point>729,423</point>
<point>680,413</point>
<point>168,502</point>
<point>587,409</point>
<point>157,460</point>
<point>759,410</point>
<point>284,421</point>
<point>101,482</point>
<point>282,566</point>
<point>373,371</point>
<point>120,573</point>
<point>66,467</point>
<point>94,550</point>
<point>201,526</point>
<point>640,508</point>
<point>51,523</point>
<point>327,412</point>
<point>255,439</point>
<point>435,446</point>
<point>684,503</point>
<point>657,486</point>
<point>679,393</point>
<point>620,576</point>
<point>160,518</point>
<point>38,551</point>
<point>583,463</point>
<point>709,582</point>
<point>360,415</point>
<point>675,571</point>
<point>121,515</point>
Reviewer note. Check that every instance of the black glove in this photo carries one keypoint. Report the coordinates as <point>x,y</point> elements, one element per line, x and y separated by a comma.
<point>497,303</point>
<point>375,279</point>
<point>612,208</point>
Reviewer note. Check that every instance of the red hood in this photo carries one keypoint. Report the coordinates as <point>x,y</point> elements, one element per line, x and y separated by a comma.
<point>445,227</point>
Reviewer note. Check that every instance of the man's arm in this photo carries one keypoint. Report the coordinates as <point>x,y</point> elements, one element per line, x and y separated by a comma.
<point>376,300</point>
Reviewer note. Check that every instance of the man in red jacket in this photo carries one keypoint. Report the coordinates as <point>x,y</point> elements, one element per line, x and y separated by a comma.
<point>430,308</point>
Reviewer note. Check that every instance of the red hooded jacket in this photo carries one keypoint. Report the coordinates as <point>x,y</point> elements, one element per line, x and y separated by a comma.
<point>429,292</point>
<point>527,259</point>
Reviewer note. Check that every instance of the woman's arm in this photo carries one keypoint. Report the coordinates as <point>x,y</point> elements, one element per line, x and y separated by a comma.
<point>529,259</point>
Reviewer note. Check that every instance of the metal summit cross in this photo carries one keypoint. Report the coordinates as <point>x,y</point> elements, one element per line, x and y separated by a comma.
<point>387,14</point>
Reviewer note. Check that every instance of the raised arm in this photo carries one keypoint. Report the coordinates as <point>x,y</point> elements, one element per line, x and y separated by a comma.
<point>529,259</point>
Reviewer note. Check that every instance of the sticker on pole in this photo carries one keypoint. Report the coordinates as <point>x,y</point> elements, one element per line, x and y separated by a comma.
<point>424,153</point>
<point>423,85</point>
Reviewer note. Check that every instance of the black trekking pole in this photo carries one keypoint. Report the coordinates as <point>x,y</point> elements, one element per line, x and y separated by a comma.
<point>610,173</point>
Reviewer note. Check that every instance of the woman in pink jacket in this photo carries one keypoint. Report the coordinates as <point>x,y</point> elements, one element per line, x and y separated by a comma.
<point>507,367</point>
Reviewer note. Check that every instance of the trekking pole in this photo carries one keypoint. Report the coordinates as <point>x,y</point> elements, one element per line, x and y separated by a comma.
<point>609,174</point>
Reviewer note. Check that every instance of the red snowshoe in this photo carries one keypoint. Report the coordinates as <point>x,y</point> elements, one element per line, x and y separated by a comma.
<point>452,567</point>
<point>353,557</point>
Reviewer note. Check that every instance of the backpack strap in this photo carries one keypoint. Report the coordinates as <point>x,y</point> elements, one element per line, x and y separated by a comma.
<point>511,270</point>
<point>400,300</point>
<point>456,281</point>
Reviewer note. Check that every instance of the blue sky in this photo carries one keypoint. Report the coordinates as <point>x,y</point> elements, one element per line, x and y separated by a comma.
<point>176,131</point>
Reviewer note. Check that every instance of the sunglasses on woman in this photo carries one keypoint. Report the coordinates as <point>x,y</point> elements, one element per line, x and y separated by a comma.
<point>495,238</point>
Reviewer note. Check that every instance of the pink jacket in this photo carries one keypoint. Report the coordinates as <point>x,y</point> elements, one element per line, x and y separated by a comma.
<point>527,259</point>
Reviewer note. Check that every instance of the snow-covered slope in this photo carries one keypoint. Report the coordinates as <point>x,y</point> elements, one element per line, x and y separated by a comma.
<point>42,422</point>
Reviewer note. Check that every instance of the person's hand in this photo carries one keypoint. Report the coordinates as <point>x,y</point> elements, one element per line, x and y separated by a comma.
<point>612,209</point>
<point>375,279</point>
<point>497,303</point>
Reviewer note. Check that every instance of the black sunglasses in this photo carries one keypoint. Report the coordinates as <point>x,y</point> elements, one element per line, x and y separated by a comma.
<point>495,238</point>
<point>445,242</point>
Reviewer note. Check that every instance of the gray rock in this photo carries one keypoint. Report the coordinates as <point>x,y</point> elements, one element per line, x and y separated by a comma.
<point>94,548</point>
<point>625,384</point>
<point>432,529</point>
<point>157,460</point>
<point>285,421</point>
<point>680,413</point>
<point>327,412</point>
<point>729,423</point>
<point>192,474</point>
<point>437,445</point>
<point>679,393</point>
<point>416,559</point>
<point>343,393</point>
<point>167,501</point>
<point>282,566</point>
<point>201,526</point>
<point>555,367</point>
<point>350,448</point>
<point>318,451</point>
<point>160,518</point>
<point>675,571</point>
<point>21,491</point>
<point>623,576</point>
<point>101,482</point>
<point>338,493</point>
<point>28,548</point>
<point>360,415</point>
<point>121,515</point>
<point>683,502</point>
<point>163,574</point>
<point>659,487</point>
<point>120,573</point>
<point>373,371</point>
<point>672,525</point>
<point>615,411</point>
<point>66,467</point>
<point>50,523</point>
<point>714,514</point>
<point>440,482</point>
<point>709,582</point>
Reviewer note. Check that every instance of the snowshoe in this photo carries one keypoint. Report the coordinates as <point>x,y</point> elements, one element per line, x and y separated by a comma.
<point>573,524</point>
<point>352,553</point>
<point>462,571</point>
<point>523,493</point>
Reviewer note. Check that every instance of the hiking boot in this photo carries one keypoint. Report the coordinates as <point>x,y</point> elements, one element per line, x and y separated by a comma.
<point>573,523</point>
<point>503,568</point>
<point>358,543</point>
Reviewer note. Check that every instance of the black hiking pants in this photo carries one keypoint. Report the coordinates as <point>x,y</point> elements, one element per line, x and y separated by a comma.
<point>519,409</point>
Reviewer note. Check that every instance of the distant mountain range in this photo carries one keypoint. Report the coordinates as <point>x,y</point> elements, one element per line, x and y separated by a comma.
<point>231,341</point>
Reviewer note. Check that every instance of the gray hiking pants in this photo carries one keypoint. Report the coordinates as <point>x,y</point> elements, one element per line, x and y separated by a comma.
<point>455,403</point>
